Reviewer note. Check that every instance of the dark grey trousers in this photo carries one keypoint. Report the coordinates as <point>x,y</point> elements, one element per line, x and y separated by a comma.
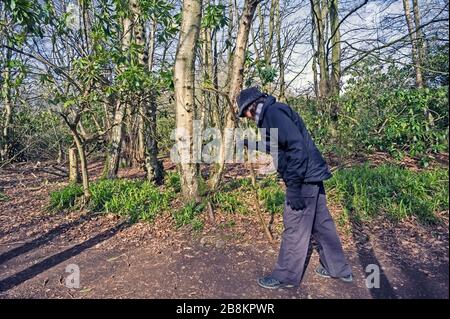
<point>299,225</point>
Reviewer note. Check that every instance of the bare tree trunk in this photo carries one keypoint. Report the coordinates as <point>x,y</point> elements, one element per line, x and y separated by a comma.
<point>138,139</point>
<point>207,68</point>
<point>215,102</point>
<point>144,147</point>
<point>231,22</point>
<point>414,47</point>
<point>184,94</point>
<point>60,157</point>
<point>420,38</point>
<point>269,46</point>
<point>140,143</point>
<point>115,144</point>
<point>153,166</point>
<point>335,82</point>
<point>336,48</point>
<point>314,57</point>
<point>262,31</point>
<point>273,8</point>
<point>319,15</point>
<point>280,51</point>
<point>83,163</point>
<point>138,32</point>
<point>151,44</point>
<point>236,74</point>
<point>86,23</point>
<point>421,54</point>
<point>74,170</point>
<point>6,149</point>
<point>237,65</point>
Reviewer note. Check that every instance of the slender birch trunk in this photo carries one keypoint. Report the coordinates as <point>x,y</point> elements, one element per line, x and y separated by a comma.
<point>236,75</point>
<point>414,46</point>
<point>6,149</point>
<point>184,78</point>
<point>336,48</point>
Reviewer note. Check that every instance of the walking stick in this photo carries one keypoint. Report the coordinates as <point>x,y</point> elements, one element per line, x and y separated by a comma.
<point>258,207</point>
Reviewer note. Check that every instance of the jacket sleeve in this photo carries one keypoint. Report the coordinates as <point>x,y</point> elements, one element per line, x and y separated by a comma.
<point>291,140</point>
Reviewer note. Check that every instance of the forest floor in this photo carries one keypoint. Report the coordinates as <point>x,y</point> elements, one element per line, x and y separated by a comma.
<point>155,260</point>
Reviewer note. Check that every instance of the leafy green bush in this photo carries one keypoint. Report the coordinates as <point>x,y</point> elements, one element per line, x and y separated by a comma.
<point>137,199</point>
<point>189,215</point>
<point>65,197</point>
<point>406,127</point>
<point>365,192</point>
<point>376,115</point>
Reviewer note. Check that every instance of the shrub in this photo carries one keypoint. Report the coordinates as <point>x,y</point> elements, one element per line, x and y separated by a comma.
<point>189,215</point>
<point>173,181</point>
<point>139,200</point>
<point>65,197</point>
<point>406,128</point>
<point>136,199</point>
<point>370,119</point>
<point>232,195</point>
<point>365,192</point>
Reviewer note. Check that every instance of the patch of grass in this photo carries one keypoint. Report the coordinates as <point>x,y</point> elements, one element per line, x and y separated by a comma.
<point>237,184</point>
<point>3,197</point>
<point>173,181</point>
<point>272,195</point>
<point>189,215</point>
<point>65,198</point>
<point>365,192</point>
<point>197,225</point>
<point>232,195</point>
<point>229,202</point>
<point>136,199</point>
<point>139,200</point>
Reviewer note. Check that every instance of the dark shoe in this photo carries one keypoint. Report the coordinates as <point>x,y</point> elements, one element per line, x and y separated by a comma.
<point>272,283</point>
<point>322,272</point>
<point>348,278</point>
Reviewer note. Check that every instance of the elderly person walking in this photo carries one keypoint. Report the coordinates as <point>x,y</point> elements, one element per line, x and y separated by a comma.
<point>303,170</point>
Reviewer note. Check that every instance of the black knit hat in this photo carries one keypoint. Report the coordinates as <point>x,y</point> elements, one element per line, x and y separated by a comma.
<point>247,97</point>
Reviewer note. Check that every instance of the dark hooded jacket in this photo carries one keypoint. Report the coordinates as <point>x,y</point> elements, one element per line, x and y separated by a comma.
<point>299,160</point>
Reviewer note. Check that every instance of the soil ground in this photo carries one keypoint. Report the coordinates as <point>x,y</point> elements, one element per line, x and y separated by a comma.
<point>155,260</point>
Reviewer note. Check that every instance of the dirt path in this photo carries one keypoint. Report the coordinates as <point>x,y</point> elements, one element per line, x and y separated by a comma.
<point>119,260</point>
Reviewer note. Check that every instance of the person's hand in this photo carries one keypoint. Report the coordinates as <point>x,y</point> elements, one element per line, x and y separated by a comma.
<point>294,198</point>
